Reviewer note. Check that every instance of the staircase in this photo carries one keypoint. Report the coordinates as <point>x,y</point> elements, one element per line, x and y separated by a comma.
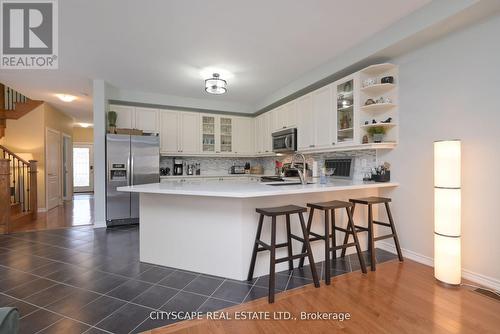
<point>13,105</point>
<point>18,190</point>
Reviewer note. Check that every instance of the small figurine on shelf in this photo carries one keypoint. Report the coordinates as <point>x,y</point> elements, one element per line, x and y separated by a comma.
<point>369,102</point>
<point>374,121</point>
<point>365,139</point>
<point>387,120</point>
<point>366,122</point>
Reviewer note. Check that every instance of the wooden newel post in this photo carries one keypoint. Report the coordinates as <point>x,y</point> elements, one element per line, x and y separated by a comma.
<point>33,189</point>
<point>4,195</point>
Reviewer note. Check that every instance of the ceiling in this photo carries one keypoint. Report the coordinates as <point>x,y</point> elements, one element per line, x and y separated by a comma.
<point>163,47</point>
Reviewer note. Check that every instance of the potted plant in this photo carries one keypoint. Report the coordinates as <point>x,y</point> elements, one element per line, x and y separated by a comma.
<point>377,133</point>
<point>112,116</point>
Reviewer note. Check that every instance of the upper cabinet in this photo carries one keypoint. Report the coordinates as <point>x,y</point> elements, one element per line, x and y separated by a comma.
<point>244,135</point>
<point>145,119</point>
<point>346,101</point>
<point>125,116</point>
<point>359,111</point>
<point>284,116</point>
<point>179,132</point>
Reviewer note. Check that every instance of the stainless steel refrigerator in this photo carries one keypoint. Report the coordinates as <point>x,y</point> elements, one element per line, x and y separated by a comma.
<point>131,160</point>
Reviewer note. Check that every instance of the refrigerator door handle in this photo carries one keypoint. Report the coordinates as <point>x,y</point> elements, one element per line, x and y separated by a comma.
<point>131,169</point>
<point>128,169</point>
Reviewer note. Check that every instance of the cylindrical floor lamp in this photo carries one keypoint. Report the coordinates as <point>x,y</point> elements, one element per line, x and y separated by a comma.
<point>447,215</point>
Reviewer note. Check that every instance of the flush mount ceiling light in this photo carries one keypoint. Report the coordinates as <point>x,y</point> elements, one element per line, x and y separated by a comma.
<point>66,97</point>
<point>215,85</point>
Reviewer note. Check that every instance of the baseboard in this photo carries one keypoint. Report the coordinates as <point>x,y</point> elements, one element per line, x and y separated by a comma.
<point>483,280</point>
<point>41,210</point>
<point>99,224</point>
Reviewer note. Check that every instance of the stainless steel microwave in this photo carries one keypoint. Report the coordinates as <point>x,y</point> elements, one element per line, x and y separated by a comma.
<point>285,141</point>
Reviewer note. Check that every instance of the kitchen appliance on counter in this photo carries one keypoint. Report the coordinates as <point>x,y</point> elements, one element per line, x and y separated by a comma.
<point>285,141</point>
<point>164,171</point>
<point>130,160</point>
<point>343,168</point>
<point>178,166</point>
<point>190,169</point>
<point>237,170</point>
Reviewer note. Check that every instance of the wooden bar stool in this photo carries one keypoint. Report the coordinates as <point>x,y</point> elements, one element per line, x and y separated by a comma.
<point>259,246</point>
<point>370,201</point>
<point>329,210</point>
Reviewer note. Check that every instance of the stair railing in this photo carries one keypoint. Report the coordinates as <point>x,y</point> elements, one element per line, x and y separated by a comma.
<point>19,187</point>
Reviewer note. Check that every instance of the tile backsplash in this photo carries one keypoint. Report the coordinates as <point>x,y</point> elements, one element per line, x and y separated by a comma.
<point>363,161</point>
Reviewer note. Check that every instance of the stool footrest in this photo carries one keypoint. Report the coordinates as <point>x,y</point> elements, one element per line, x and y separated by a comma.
<point>361,228</point>
<point>264,246</point>
<point>343,230</point>
<point>317,235</point>
<point>293,257</point>
<point>293,236</point>
<point>352,244</point>
<point>384,237</point>
<point>381,223</point>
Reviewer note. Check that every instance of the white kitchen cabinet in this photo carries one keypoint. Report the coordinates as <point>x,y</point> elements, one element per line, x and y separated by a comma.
<point>324,116</point>
<point>284,116</point>
<point>216,134</point>
<point>244,135</point>
<point>146,119</point>
<point>169,131</point>
<point>305,123</point>
<point>125,116</point>
<point>267,144</point>
<point>189,133</point>
<point>259,140</point>
<point>179,132</point>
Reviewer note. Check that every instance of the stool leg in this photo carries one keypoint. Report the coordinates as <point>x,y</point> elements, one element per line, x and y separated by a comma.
<point>309,251</point>
<point>309,223</point>
<point>346,236</point>
<point>371,243</point>
<point>272,262</point>
<point>334,239</point>
<point>350,222</point>
<point>289,242</point>
<point>393,229</point>
<point>255,247</point>
<point>327,248</point>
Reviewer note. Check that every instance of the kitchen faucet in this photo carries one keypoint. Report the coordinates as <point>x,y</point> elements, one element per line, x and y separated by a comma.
<point>303,172</point>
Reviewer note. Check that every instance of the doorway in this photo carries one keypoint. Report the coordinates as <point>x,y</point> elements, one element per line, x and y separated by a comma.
<point>83,167</point>
<point>53,165</point>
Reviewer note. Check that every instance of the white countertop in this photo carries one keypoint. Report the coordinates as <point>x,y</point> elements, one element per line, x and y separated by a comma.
<point>175,177</point>
<point>248,189</point>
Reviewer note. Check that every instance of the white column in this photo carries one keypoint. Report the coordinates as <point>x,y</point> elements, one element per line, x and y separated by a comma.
<point>100,108</point>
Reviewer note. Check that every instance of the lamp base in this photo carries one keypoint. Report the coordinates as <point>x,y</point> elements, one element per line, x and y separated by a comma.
<point>448,285</point>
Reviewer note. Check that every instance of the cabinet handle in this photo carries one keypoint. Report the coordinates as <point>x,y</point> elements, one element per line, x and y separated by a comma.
<point>333,143</point>
<point>284,127</point>
<point>311,145</point>
<point>217,151</point>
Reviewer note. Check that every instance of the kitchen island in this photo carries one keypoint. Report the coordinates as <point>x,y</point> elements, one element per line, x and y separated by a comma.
<point>209,227</point>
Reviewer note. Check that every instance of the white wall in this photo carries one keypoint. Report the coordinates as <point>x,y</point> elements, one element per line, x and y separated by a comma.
<point>451,89</point>
<point>100,89</point>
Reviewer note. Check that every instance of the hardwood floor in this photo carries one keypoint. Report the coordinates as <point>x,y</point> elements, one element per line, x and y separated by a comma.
<point>397,298</point>
<point>78,212</point>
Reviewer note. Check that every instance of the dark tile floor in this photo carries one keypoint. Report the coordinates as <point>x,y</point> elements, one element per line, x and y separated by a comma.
<point>85,280</point>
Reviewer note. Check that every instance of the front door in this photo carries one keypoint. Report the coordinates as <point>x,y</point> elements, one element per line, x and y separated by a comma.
<point>83,168</point>
<point>53,166</point>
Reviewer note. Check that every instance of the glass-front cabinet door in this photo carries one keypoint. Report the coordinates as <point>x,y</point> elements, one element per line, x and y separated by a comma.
<point>208,133</point>
<point>226,134</point>
<point>345,111</point>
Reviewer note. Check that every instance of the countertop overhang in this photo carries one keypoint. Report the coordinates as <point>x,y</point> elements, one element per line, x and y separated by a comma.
<point>244,189</point>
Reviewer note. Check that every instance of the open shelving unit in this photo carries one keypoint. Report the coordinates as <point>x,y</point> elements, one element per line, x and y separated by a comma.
<point>379,111</point>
